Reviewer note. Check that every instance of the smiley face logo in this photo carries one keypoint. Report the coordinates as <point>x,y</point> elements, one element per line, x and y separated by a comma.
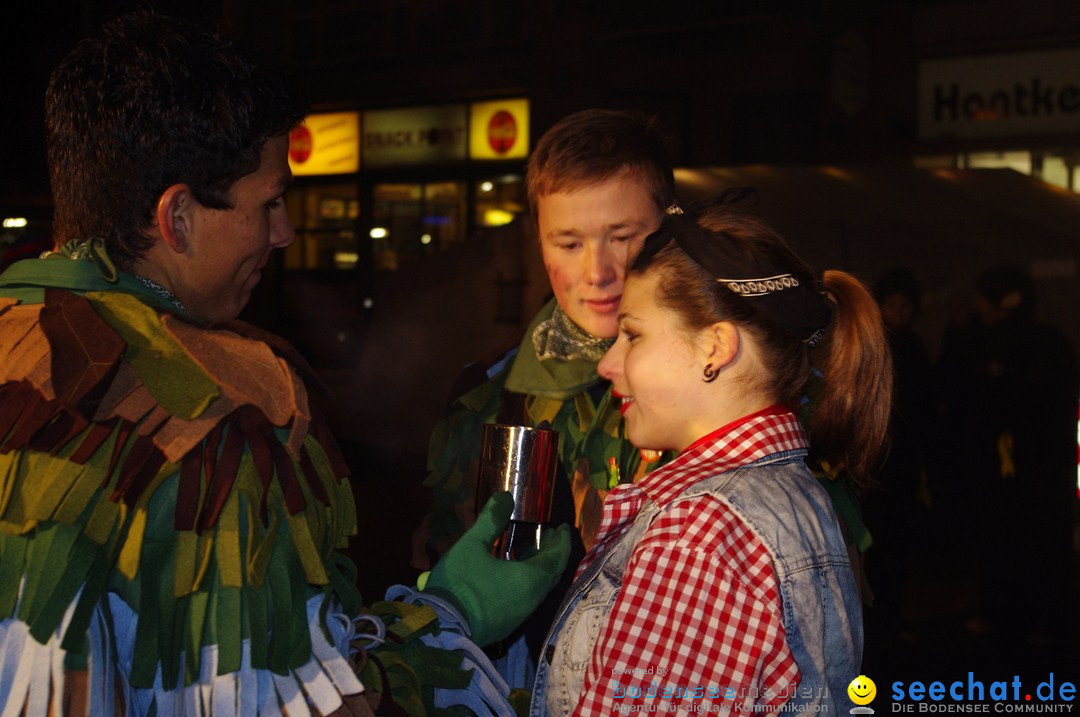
<point>862,690</point>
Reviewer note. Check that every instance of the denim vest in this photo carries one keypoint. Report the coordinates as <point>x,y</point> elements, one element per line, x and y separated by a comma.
<point>791,514</point>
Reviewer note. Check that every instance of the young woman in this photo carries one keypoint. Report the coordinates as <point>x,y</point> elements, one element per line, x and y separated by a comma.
<point>721,581</point>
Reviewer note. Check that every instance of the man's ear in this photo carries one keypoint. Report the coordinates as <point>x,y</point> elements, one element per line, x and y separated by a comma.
<point>720,343</point>
<point>176,216</point>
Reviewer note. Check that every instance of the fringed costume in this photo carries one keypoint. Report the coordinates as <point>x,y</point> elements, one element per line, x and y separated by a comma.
<point>170,506</point>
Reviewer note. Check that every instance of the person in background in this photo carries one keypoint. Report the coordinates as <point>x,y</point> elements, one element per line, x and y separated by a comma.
<point>893,505</point>
<point>171,501</point>
<point>1026,379</point>
<point>721,580</point>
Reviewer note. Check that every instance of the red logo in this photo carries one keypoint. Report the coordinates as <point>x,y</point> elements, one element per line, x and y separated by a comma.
<point>502,131</point>
<point>300,143</point>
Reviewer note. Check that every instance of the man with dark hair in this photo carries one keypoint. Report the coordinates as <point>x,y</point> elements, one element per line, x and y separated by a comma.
<point>171,502</point>
<point>170,110</point>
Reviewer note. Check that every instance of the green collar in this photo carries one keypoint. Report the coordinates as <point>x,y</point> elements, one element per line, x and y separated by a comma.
<point>552,377</point>
<point>80,273</point>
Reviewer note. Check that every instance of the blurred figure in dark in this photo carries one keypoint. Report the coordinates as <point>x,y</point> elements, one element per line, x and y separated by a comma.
<point>1027,375</point>
<point>957,463</point>
<point>893,506</point>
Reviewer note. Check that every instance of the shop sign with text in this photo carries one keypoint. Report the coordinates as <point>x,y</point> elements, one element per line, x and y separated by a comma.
<point>1013,95</point>
<point>415,136</point>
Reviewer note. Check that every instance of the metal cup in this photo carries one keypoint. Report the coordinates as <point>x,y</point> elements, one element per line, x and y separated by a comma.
<point>521,460</point>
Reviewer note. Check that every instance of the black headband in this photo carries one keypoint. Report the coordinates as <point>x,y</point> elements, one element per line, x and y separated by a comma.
<point>786,292</point>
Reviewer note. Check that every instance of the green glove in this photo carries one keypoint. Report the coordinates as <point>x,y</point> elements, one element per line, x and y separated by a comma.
<point>496,595</point>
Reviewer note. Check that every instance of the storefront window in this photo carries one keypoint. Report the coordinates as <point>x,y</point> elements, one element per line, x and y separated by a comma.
<point>1055,167</point>
<point>443,220</point>
<point>408,221</point>
<point>325,218</point>
<point>499,200</point>
<point>412,220</point>
<point>1019,161</point>
<point>1055,171</point>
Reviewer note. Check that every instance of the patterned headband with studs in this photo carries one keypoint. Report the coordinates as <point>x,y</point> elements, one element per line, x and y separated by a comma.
<point>762,286</point>
<point>780,286</point>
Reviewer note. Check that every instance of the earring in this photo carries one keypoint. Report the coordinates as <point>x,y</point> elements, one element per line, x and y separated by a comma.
<point>710,373</point>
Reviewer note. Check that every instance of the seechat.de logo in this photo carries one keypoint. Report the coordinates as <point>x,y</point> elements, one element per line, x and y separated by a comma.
<point>1051,694</point>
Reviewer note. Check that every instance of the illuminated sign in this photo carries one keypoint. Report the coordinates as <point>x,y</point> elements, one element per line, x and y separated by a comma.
<point>499,130</point>
<point>419,135</point>
<point>326,143</point>
<point>1029,93</point>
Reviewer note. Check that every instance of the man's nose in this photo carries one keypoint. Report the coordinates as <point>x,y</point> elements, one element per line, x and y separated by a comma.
<point>599,265</point>
<point>282,233</point>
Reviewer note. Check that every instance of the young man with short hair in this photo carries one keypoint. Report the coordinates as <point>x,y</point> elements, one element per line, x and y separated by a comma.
<point>599,181</point>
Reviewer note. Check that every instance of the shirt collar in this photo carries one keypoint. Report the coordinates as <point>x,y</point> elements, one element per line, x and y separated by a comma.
<point>766,432</point>
<point>771,430</point>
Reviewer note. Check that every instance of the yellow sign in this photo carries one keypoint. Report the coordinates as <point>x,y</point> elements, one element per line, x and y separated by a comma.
<point>499,130</point>
<point>327,143</point>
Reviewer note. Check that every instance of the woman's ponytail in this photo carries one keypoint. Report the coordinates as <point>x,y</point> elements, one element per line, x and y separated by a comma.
<point>849,423</point>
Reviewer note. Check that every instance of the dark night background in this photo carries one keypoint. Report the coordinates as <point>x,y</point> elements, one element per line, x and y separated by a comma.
<point>812,101</point>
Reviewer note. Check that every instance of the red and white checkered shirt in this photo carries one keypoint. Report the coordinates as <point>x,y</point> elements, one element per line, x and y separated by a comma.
<point>699,619</point>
